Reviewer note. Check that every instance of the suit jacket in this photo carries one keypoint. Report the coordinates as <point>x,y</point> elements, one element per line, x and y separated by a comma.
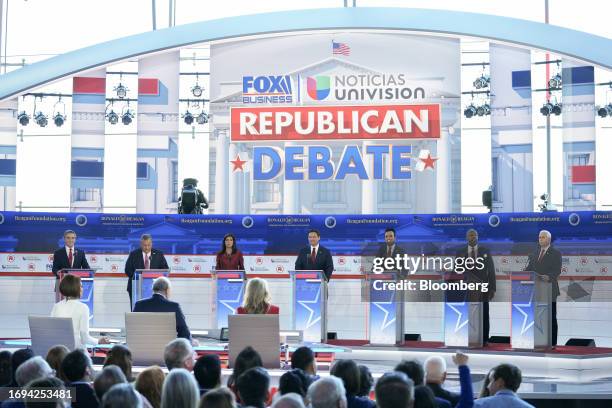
<point>159,304</point>
<point>60,260</point>
<point>323,261</point>
<point>85,395</point>
<point>136,261</point>
<point>397,250</point>
<point>447,395</point>
<point>549,265</point>
<point>487,274</point>
<point>271,310</point>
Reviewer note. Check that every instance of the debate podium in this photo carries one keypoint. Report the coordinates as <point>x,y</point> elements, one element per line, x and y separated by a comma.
<point>531,313</point>
<point>386,317</point>
<point>229,293</point>
<point>87,280</point>
<point>142,283</point>
<point>463,316</point>
<point>309,306</point>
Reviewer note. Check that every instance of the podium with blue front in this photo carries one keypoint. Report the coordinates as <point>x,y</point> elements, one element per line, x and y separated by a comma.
<point>463,318</point>
<point>229,292</point>
<point>87,281</point>
<point>386,317</point>
<point>142,283</point>
<point>309,304</point>
<point>531,313</point>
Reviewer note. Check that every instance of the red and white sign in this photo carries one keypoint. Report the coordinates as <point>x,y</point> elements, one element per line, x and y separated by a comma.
<point>362,122</point>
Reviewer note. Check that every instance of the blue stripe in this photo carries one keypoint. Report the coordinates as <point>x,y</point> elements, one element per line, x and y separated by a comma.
<point>7,181</point>
<point>78,182</point>
<point>579,146</point>
<point>161,99</point>
<point>87,152</point>
<point>89,98</point>
<point>8,149</point>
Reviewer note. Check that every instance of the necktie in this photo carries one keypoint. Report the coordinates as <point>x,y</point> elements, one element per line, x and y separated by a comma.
<point>389,252</point>
<point>474,253</point>
<point>147,262</point>
<point>542,251</point>
<point>313,255</point>
<point>70,257</point>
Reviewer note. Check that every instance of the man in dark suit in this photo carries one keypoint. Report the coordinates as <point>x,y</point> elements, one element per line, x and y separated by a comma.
<point>390,249</point>
<point>315,256</point>
<point>546,262</point>
<point>159,303</point>
<point>144,257</point>
<point>78,370</point>
<point>480,270</point>
<point>69,257</point>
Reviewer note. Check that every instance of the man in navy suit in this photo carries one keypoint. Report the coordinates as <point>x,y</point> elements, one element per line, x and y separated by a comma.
<point>69,257</point>
<point>315,256</point>
<point>144,257</point>
<point>390,249</point>
<point>160,303</point>
<point>546,262</point>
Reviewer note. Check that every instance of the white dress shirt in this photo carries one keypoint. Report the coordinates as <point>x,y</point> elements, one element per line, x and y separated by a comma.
<point>79,312</point>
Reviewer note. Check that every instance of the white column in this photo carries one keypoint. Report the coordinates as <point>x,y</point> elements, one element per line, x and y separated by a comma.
<point>369,192</point>
<point>222,169</point>
<point>443,179</point>
<point>291,196</point>
<point>233,182</point>
<point>603,144</point>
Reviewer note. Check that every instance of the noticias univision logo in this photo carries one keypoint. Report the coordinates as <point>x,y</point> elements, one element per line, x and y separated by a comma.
<point>318,87</point>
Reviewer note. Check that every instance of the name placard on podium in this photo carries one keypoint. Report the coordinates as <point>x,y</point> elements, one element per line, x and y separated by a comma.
<point>142,283</point>
<point>229,293</point>
<point>531,311</point>
<point>87,280</point>
<point>310,304</point>
<point>386,309</point>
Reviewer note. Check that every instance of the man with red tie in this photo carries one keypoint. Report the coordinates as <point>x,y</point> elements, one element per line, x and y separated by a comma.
<point>315,256</point>
<point>69,257</point>
<point>546,263</point>
<point>144,257</point>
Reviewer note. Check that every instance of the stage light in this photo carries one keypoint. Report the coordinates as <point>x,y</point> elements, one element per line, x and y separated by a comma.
<point>112,117</point>
<point>202,119</point>
<point>556,109</point>
<point>470,111</point>
<point>556,81</point>
<point>482,82</point>
<point>121,91</point>
<point>602,112</point>
<point>197,91</point>
<point>126,117</point>
<point>59,119</point>
<point>23,118</point>
<point>546,109</point>
<point>487,108</point>
<point>188,118</point>
<point>41,119</point>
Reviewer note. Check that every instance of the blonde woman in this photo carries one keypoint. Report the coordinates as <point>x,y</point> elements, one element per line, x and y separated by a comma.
<point>257,299</point>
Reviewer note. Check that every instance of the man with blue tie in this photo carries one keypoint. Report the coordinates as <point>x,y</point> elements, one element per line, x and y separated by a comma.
<point>69,257</point>
<point>315,256</point>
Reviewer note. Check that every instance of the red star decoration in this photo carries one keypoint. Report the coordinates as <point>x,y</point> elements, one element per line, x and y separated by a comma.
<point>238,163</point>
<point>429,161</point>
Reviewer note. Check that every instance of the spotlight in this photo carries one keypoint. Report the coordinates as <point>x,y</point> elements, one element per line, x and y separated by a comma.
<point>188,118</point>
<point>121,91</point>
<point>126,118</point>
<point>59,119</point>
<point>487,108</point>
<point>197,90</point>
<point>546,109</point>
<point>470,111</point>
<point>202,119</point>
<point>556,109</point>
<point>41,119</point>
<point>602,112</point>
<point>23,118</point>
<point>555,82</point>
<point>112,117</point>
<point>482,82</point>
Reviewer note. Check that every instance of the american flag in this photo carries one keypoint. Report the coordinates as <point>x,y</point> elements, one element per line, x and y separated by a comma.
<point>339,48</point>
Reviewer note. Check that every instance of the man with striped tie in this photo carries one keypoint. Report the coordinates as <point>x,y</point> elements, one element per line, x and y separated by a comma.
<point>69,257</point>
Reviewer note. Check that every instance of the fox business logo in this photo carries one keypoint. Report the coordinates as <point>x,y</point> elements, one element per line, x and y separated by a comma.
<point>267,89</point>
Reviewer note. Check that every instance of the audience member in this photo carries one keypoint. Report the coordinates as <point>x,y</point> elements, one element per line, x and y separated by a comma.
<point>33,369</point>
<point>109,376</point>
<point>180,390</point>
<point>54,358</point>
<point>504,381</point>
<point>78,371</point>
<point>221,397</point>
<point>366,381</point>
<point>253,387</point>
<point>424,398</point>
<point>121,395</point>
<point>435,375</point>
<point>328,392</point>
<point>348,372</point>
<point>413,369</point>
<point>247,358</point>
<point>394,390</point>
<point>484,391</point>
<point>6,374</point>
<point>257,298</point>
<point>179,354</point>
<point>207,371</point>
<point>120,356</point>
<point>19,357</point>
<point>304,358</point>
<point>46,382</point>
<point>149,383</point>
<point>295,381</point>
<point>290,400</point>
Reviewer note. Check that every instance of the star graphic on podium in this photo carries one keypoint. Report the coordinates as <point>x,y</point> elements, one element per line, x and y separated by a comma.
<point>386,321</point>
<point>311,322</point>
<point>526,324</point>
<point>428,161</point>
<point>232,304</point>
<point>459,323</point>
<point>238,163</point>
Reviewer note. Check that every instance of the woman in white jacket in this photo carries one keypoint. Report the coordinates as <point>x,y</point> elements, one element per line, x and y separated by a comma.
<point>71,306</point>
